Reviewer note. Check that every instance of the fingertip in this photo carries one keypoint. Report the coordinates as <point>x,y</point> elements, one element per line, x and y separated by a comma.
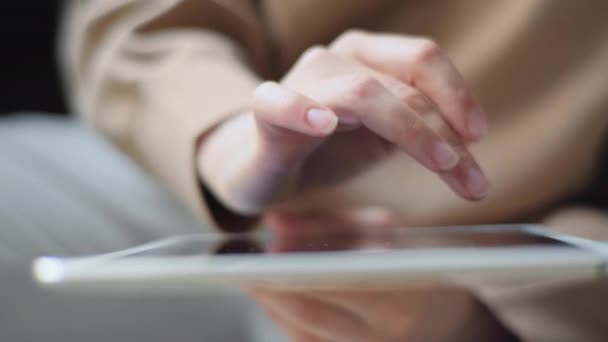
<point>477,184</point>
<point>468,181</point>
<point>285,108</point>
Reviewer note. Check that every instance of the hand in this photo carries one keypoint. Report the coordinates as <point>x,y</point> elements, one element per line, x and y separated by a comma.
<point>423,312</point>
<point>341,109</point>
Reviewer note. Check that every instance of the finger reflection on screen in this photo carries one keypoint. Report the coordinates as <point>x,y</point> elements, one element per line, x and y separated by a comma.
<point>332,240</point>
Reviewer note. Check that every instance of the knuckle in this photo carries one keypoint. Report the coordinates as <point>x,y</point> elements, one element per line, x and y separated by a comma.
<point>417,101</point>
<point>362,86</point>
<point>353,33</point>
<point>264,87</point>
<point>413,131</point>
<point>291,103</point>
<point>314,55</point>
<point>440,126</point>
<point>259,99</point>
<point>427,51</point>
<point>348,36</point>
<point>270,105</point>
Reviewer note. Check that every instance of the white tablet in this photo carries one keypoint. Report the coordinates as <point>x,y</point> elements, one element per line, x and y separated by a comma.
<point>462,255</point>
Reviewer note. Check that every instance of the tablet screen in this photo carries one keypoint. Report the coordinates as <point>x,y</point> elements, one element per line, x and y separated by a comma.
<point>344,240</point>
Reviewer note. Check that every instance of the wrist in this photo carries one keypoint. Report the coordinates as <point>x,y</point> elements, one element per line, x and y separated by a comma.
<point>214,155</point>
<point>223,154</point>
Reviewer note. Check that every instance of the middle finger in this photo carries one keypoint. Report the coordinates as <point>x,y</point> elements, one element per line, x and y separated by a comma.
<point>362,97</point>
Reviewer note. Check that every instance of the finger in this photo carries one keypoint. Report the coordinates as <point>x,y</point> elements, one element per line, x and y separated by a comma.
<point>363,97</point>
<point>282,108</point>
<point>467,178</point>
<point>420,63</point>
<point>293,331</point>
<point>316,317</point>
<point>290,124</point>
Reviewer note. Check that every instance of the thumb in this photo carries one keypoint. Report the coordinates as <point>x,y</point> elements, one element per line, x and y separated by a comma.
<point>290,125</point>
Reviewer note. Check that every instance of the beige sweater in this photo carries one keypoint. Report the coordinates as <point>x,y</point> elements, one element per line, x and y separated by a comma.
<point>153,75</point>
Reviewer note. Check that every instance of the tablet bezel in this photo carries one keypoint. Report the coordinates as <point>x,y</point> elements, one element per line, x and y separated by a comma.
<point>581,259</point>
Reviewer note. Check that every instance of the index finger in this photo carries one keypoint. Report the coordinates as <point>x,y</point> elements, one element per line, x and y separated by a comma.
<point>420,63</point>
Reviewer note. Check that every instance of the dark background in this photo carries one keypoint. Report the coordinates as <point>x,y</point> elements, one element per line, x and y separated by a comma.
<point>29,79</point>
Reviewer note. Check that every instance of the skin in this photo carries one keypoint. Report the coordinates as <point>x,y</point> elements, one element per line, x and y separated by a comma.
<point>398,94</point>
<point>394,92</point>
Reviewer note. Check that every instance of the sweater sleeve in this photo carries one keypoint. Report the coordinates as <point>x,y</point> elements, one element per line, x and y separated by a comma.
<point>154,76</point>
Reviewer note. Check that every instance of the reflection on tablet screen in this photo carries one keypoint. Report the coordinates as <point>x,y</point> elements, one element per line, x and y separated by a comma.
<point>357,241</point>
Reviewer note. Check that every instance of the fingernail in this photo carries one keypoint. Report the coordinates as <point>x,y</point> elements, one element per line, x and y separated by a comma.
<point>322,119</point>
<point>478,124</point>
<point>477,184</point>
<point>445,156</point>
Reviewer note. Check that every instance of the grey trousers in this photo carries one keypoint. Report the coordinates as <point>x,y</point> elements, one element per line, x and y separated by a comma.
<point>65,191</point>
